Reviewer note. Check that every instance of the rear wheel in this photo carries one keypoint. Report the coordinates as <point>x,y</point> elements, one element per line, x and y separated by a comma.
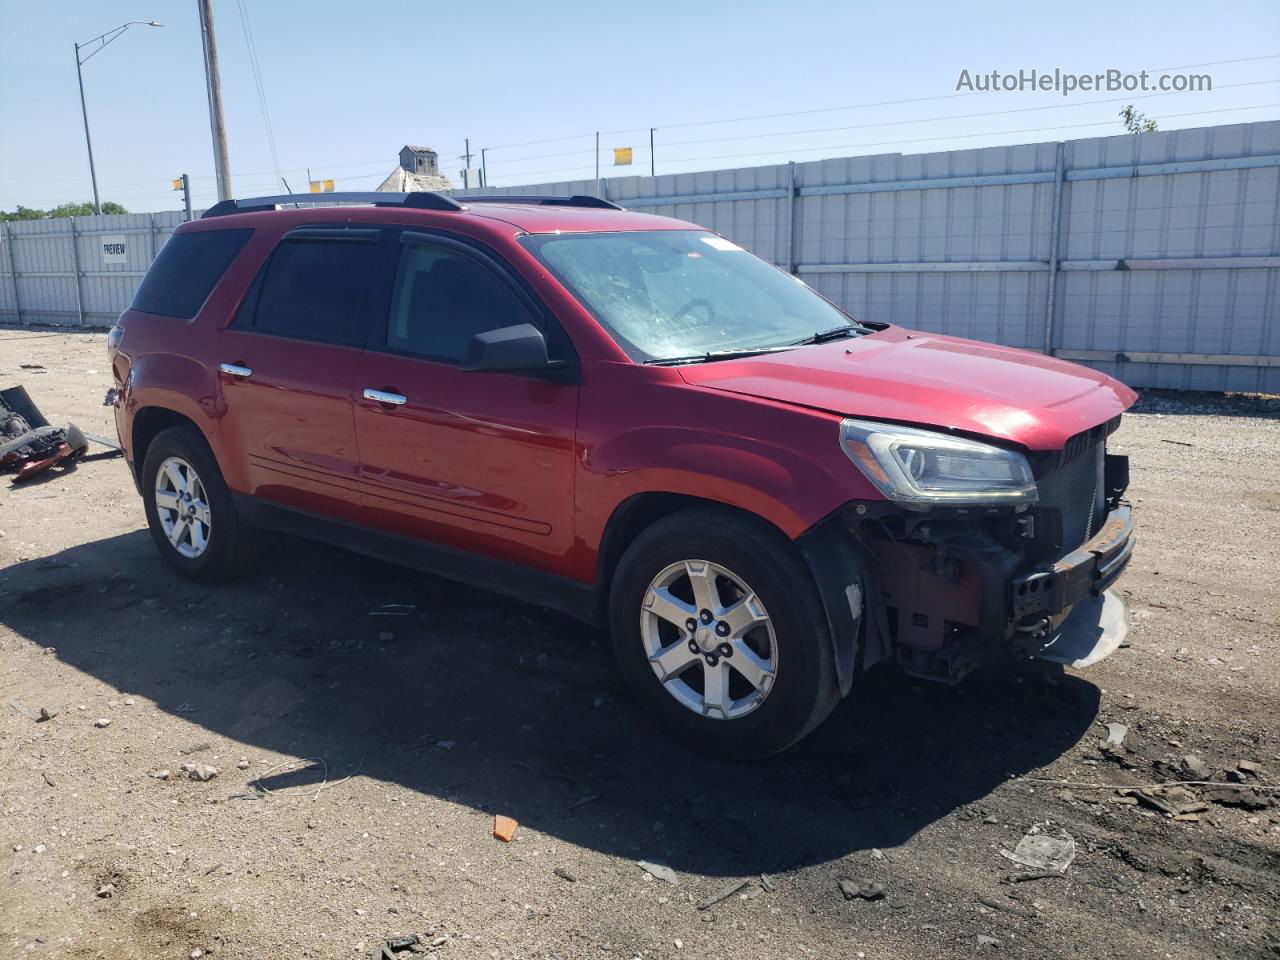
<point>718,627</point>
<point>189,509</point>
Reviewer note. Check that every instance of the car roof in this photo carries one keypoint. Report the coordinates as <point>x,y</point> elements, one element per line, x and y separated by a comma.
<point>539,218</point>
<point>527,214</point>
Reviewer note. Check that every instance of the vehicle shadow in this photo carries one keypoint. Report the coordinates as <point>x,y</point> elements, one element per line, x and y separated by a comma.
<point>509,709</point>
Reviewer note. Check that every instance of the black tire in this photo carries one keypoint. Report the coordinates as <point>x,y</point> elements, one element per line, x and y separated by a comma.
<point>232,546</point>
<point>805,689</point>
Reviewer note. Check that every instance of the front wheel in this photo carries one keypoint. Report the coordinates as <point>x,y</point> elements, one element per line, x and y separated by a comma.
<point>718,627</point>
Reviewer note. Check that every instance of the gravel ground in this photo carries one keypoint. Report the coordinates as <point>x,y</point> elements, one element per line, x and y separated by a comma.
<point>361,758</point>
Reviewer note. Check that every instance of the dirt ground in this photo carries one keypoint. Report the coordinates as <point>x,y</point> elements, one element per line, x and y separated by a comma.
<point>421,724</point>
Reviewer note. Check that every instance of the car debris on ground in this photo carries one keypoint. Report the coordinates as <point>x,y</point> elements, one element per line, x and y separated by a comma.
<point>725,893</point>
<point>659,871</point>
<point>1040,851</point>
<point>388,949</point>
<point>862,889</point>
<point>29,445</point>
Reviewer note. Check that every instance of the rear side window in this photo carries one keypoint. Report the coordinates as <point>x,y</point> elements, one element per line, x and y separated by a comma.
<point>443,298</point>
<point>316,289</point>
<point>186,271</point>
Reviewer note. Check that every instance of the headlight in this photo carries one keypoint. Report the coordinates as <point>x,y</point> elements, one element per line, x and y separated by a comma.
<point>923,468</point>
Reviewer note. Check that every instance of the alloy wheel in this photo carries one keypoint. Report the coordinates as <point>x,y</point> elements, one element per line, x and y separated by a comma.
<point>182,507</point>
<point>709,639</point>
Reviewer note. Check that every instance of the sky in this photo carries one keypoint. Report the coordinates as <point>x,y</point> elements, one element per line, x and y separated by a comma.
<point>725,84</point>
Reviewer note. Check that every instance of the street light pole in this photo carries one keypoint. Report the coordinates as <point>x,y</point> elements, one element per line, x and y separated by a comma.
<point>102,41</point>
<point>93,173</point>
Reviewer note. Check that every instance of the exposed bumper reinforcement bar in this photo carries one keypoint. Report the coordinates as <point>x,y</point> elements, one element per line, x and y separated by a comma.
<point>1088,571</point>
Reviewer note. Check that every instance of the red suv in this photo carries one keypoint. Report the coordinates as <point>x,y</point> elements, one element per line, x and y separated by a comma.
<point>633,420</point>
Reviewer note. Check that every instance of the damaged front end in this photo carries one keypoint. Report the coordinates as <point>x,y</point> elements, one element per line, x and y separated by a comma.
<point>951,587</point>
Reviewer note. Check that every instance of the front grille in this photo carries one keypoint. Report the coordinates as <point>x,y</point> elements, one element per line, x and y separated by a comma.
<point>1074,489</point>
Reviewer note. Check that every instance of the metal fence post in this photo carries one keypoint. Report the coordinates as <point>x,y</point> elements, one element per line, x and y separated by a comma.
<point>13,271</point>
<point>75,259</point>
<point>153,234</point>
<point>1050,299</point>
<point>791,217</point>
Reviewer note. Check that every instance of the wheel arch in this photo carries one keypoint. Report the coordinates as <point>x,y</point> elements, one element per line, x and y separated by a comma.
<point>148,423</point>
<point>845,579</point>
<point>640,511</point>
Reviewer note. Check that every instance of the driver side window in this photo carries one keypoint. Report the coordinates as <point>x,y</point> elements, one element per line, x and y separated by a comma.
<point>442,298</point>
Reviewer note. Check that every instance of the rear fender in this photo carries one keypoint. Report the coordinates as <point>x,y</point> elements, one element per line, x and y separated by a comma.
<point>180,384</point>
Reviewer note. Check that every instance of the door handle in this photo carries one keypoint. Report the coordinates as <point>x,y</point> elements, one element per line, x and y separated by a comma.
<point>235,370</point>
<point>383,396</point>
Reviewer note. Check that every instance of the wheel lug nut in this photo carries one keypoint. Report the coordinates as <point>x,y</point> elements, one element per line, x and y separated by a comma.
<point>722,629</point>
<point>706,616</point>
<point>725,650</point>
<point>693,645</point>
<point>712,659</point>
<point>691,624</point>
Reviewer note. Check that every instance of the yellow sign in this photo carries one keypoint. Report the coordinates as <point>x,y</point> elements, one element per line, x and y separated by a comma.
<point>177,184</point>
<point>322,186</point>
<point>622,156</point>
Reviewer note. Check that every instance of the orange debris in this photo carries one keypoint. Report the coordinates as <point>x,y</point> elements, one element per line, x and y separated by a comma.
<point>504,828</point>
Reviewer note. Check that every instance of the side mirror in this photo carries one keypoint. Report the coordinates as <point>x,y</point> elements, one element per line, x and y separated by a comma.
<point>521,347</point>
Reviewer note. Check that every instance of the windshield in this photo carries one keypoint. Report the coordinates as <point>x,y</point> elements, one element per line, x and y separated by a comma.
<point>675,294</point>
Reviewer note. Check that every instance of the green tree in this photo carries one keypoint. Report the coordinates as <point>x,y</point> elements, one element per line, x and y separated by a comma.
<point>1135,122</point>
<point>62,210</point>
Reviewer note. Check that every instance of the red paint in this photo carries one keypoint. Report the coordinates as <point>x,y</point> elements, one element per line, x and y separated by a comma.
<point>530,471</point>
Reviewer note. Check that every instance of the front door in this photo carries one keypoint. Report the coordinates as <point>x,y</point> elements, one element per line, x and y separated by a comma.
<point>481,462</point>
<point>288,368</point>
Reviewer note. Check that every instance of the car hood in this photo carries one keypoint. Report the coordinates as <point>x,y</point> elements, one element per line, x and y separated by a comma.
<point>909,376</point>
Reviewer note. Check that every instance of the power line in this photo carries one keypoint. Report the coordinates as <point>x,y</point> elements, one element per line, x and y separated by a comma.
<point>958,116</point>
<point>256,69</point>
<point>794,113</point>
<point>880,143</point>
<point>892,123</point>
<point>851,106</point>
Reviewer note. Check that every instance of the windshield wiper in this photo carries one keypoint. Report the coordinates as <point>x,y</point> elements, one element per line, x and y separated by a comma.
<point>714,355</point>
<point>835,333</point>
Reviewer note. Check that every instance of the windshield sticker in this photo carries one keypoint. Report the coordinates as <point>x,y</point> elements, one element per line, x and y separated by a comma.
<point>720,243</point>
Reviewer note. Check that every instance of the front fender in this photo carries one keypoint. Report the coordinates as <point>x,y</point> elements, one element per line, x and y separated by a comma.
<point>643,429</point>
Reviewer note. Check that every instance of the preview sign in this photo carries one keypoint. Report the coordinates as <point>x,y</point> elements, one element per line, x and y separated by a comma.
<point>114,250</point>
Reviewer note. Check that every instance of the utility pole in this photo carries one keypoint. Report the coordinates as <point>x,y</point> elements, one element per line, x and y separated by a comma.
<point>466,165</point>
<point>652,164</point>
<point>597,163</point>
<point>186,195</point>
<point>221,163</point>
<point>484,168</point>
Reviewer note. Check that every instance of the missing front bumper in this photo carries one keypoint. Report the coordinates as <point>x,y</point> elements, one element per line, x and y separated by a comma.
<point>956,596</point>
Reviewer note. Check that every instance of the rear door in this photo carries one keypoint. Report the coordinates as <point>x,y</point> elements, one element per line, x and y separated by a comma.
<point>482,462</point>
<point>288,366</point>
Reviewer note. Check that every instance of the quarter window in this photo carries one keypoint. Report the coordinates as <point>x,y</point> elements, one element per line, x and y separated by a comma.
<point>316,289</point>
<point>443,298</point>
<point>185,272</point>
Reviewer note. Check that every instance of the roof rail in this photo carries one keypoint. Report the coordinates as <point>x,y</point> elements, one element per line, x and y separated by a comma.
<point>419,200</point>
<point>577,200</point>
